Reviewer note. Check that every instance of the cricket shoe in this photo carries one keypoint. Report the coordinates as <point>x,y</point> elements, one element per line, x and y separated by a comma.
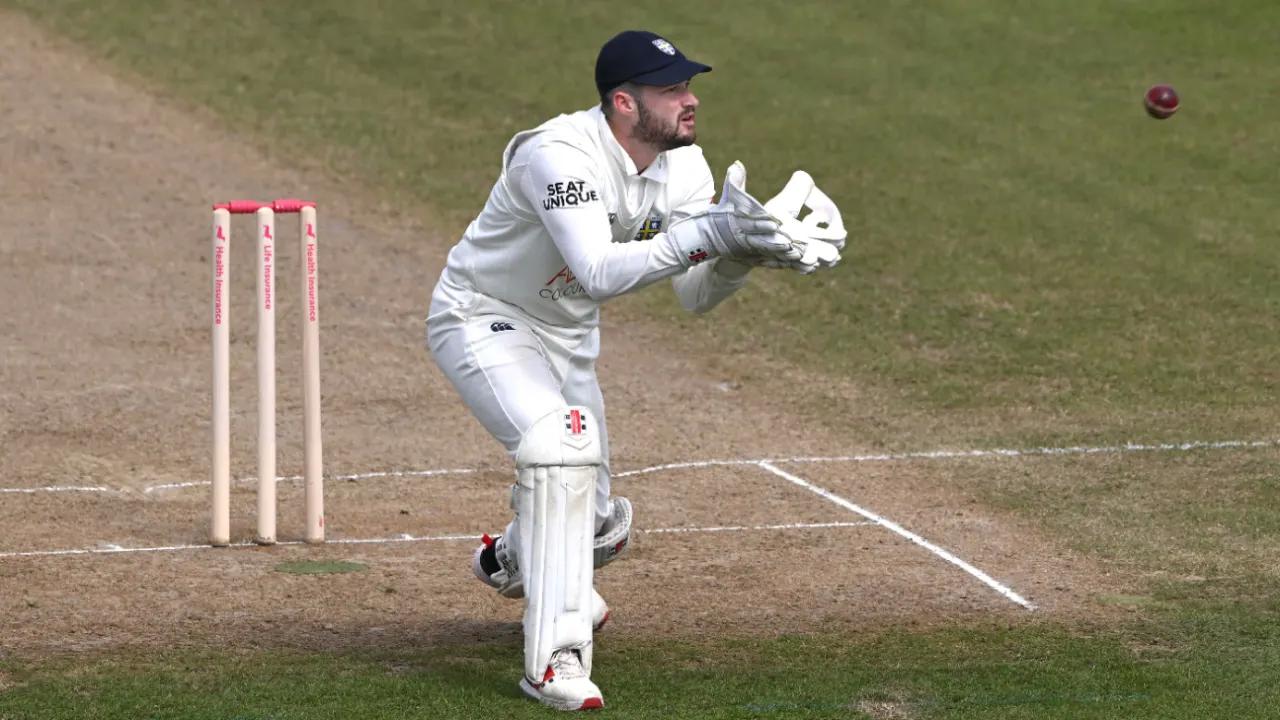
<point>565,685</point>
<point>496,567</point>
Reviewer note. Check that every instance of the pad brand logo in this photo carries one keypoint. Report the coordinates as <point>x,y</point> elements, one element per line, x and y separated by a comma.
<point>574,422</point>
<point>664,46</point>
<point>570,193</point>
<point>501,326</point>
<point>651,227</point>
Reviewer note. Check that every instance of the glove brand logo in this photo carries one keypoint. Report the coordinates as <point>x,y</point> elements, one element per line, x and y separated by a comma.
<point>500,326</point>
<point>613,219</point>
<point>698,256</point>
<point>652,226</point>
<point>570,193</point>
<point>664,46</point>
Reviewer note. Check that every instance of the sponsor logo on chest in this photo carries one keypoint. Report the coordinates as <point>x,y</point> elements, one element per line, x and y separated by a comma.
<point>647,230</point>
<point>561,285</point>
<point>652,226</point>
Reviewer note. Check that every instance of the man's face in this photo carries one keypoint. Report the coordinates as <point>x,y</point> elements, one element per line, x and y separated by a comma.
<point>665,116</point>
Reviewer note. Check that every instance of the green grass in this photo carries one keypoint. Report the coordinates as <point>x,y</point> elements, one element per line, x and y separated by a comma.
<point>1194,665</point>
<point>1198,517</point>
<point>1024,240</point>
<point>1022,234</point>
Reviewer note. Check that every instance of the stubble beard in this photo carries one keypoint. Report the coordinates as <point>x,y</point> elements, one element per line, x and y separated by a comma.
<point>650,130</point>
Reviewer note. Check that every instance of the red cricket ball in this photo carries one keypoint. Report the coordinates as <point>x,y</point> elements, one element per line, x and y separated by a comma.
<point>1161,101</point>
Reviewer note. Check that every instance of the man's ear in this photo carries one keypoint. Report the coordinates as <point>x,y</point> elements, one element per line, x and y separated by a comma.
<point>623,102</point>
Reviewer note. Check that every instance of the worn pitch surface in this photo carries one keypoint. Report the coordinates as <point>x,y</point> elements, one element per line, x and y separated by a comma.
<point>104,265</point>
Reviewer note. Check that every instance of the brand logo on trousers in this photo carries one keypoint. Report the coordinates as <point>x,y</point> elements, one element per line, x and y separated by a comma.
<point>500,326</point>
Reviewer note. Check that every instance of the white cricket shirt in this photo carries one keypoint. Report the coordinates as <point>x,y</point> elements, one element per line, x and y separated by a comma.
<point>570,223</point>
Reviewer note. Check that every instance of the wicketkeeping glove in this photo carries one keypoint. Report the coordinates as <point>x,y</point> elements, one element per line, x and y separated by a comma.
<point>738,226</point>
<point>820,235</point>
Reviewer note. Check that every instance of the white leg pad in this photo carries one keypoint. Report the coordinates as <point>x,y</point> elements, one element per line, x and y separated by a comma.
<point>556,464</point>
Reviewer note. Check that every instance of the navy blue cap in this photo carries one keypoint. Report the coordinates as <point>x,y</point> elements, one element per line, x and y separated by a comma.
<point>642,57</point>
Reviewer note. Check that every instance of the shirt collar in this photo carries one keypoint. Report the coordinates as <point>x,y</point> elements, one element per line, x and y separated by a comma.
<point>657,170</point>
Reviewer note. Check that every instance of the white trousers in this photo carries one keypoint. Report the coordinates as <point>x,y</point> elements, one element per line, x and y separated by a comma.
<point>512,370</point>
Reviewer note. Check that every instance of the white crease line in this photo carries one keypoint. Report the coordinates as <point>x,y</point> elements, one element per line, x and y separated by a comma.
<point>740,528</point>
<point>960,454</point>
<point>295,478</point>
<point>1032,452</point>
<point>175,486</point>
<point>896,528</point>
<point>58,488</point>
<point>695,464</point>
<point>684,465</point>
<point>112,549</point>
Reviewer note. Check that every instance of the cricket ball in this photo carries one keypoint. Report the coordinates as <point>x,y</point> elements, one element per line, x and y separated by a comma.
<point>1161,101</point>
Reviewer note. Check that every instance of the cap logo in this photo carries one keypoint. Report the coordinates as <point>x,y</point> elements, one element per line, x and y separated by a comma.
<point>664,46</point>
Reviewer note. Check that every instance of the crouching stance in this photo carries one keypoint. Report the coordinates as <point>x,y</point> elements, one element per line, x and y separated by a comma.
<point>590,206</point>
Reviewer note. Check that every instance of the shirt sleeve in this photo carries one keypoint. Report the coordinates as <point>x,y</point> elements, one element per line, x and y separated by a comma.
<point>562,185</point>
<point>708,284</point>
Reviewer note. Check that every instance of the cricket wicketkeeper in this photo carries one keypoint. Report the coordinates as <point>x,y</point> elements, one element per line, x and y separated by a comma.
<point>590,206</point>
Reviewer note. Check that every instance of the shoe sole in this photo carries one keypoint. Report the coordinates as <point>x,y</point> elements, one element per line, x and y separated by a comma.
<point>481,575</point>
<point>591,703</point>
